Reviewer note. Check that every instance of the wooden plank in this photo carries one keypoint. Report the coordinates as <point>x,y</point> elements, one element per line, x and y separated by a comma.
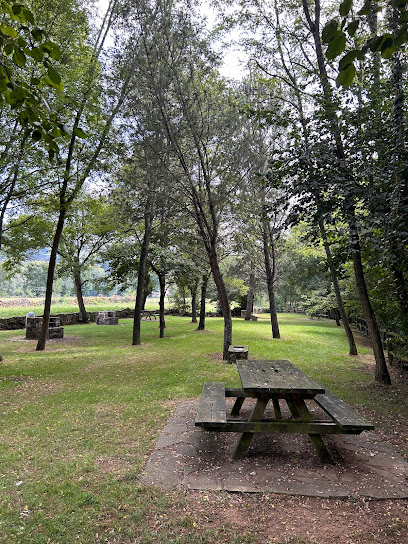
<point>212,408</point>
<point>278,427</point>
<point>278,377</point>
<point>344,415</point>
<point>296,374</point>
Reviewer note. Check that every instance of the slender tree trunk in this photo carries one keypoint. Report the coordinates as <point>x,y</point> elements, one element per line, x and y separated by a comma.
<point>194,303</point>
<point>204,283</point>
<point>146,291</point>
<point>162,321</point>
<point>223,300</point>
<point>381,370</point>
<point>270,270</point>
<point>336,287</point>
<point>337,319</point>
<point>250,299</point>
<point>50,279</point>
<point>141,277</point>
<point>80,298</point>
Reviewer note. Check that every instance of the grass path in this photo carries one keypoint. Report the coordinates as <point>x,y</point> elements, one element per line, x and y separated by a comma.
<point>80,419</point>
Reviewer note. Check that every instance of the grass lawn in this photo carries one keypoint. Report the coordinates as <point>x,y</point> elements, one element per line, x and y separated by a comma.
<point>37,306</point>
<point>80,419</point>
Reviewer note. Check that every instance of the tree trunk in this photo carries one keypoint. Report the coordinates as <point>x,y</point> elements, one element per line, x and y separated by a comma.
<point>194,303</point>
<point>201,323</point>
<point>381,370</point>
<point>78,289</point>
<point>162,321</point>
<point>146,291</point>
<point>223,300</point>
<point>336,313</point>
<point>250,299</point>
<point>336,287</point>
<point>141,277</point>
<point>50,279</point>
<point>270,267</point>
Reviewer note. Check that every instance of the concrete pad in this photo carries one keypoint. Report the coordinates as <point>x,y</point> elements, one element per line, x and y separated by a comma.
<point>189,457</point>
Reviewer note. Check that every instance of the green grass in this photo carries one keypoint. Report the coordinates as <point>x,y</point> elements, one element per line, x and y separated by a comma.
<point>37,307</point>
<point>79,420</point>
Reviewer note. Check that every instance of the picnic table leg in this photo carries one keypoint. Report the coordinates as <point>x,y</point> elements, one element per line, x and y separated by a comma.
<point>276,407</point>
<point>237,406</point>
<point>246,438</point>
<point>316,439</point>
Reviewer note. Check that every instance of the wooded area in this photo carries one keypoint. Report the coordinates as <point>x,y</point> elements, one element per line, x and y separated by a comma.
<point>123,144</point>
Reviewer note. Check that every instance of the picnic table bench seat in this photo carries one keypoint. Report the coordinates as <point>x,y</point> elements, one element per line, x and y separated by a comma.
<point>212,408</point>
<point>344,415</point>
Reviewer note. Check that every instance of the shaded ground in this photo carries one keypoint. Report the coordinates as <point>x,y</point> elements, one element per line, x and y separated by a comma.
<point>363,466</point>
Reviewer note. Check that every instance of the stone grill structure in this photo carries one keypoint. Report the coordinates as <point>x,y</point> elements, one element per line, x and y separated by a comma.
<point>34,324</point>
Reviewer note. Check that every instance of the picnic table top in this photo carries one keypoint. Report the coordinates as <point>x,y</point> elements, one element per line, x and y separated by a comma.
<point>276,377</point>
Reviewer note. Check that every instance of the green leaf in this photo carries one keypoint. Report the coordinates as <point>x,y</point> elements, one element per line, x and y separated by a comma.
<point>32,115</point>
<point>18,57</point>
<point>52,49</point>
<point>21,42</point>
<point>9,31</point>
<point>37,34</point>
<point>336,47</point>
<point>17,96</point>
<point>348,58</point>
<point>9,48</point>
<point>80,133</point>
<point>402,36</point>
<point>366,9</point>
<point>51,144</point>
<point>17,9</point>
<point>28,15</point>
<point>388,52</point>
<point>346,76</point>
<point>36,135</point>
<point>345,7</point>
<point>352,27</point>
<point>50,83</point>
<point>375,43</point>
<point>36,53</point>
<point>54,75</point>
<point>329,31</point>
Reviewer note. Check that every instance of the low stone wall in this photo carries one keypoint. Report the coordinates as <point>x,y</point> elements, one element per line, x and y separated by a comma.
<point>14,323</point>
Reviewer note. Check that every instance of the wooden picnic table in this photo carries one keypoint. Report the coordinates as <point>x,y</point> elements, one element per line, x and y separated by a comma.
<point>276,381</point>
<point>148,314</point>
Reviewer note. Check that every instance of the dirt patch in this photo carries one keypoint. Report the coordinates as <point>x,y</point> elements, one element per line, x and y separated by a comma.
<point>143,345</point>
<point>114,465</point>
<point>54,344</point>
<point>215,357</point>
<point>298,520</point>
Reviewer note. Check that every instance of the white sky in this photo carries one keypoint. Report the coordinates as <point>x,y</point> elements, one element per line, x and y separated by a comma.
<point>233,57</point>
